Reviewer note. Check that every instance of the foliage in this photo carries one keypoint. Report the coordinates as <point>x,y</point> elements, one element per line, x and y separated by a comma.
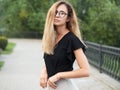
<point>1,64</point>
<point>9,48</point>
<point>99,19</point>
<point>23,15</point>
<point>3,42</point>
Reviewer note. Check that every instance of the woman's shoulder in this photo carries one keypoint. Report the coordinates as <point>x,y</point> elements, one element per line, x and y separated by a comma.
<point>72,36</point>
<point>72,39</point>
<point>75,41</point>
<point>71,42</point>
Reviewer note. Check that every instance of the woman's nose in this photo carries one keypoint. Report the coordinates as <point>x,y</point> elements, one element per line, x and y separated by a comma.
<point>57,14</point>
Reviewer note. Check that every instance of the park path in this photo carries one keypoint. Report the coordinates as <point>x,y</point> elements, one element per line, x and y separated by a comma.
<point>22,70</point>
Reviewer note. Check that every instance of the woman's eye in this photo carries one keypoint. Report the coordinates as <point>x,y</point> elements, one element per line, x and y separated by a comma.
<point>62,13</point>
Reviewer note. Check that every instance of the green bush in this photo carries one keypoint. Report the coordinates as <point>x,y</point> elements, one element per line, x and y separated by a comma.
<point>3,42</point>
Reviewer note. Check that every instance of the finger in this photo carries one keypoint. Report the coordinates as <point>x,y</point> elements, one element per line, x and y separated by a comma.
<point>51,84</point>
<point>45,80</point>
<point>43,84</point>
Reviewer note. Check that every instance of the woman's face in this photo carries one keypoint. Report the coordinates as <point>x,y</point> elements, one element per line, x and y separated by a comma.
<point>61,15</point>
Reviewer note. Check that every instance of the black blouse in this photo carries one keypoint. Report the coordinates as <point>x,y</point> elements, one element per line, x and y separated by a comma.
<point>63,57</point>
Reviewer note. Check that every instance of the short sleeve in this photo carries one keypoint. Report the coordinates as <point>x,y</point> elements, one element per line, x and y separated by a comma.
<point>76,44</point>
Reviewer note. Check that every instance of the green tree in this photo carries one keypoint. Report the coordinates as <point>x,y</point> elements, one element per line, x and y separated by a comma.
<point>100,21</point>
<point>24,15</point>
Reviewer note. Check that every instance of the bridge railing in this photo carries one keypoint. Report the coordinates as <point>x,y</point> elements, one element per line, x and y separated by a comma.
<point>105,58</point>
<point>24,34</point>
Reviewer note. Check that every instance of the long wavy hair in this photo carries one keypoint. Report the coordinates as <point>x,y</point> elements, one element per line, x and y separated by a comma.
<point>49,30</point>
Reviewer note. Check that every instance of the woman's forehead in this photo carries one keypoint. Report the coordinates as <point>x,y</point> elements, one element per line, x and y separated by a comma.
<point>62,7</point>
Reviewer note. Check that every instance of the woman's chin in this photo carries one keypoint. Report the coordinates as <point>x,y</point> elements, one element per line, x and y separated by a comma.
<point>57,24</point>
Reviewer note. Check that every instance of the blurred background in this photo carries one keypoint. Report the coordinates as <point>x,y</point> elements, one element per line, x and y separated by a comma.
<point>99,22</point>
<point>99,19</point>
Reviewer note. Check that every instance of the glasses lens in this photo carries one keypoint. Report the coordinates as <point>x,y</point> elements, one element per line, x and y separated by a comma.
<point>60,13</point>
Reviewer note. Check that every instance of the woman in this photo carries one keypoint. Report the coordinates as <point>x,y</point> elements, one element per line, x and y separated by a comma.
<point>62,45</point>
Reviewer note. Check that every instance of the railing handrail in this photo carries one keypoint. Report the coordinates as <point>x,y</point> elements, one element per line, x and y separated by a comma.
<point>110,47</point>
<point>114,50</point>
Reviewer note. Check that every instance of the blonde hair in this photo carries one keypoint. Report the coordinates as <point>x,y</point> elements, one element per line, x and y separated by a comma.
<point>49,30</point>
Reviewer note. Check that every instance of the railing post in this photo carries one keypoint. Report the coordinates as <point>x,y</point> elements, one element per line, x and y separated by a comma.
<point>101,59</point>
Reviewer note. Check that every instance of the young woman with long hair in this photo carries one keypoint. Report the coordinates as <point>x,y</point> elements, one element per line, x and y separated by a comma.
<point>62,45</point>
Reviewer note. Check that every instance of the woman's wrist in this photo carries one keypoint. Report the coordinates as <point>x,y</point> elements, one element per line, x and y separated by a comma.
<point>59,76</point>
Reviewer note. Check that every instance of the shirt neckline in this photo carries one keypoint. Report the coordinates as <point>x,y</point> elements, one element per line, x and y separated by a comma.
<point>62,38</point>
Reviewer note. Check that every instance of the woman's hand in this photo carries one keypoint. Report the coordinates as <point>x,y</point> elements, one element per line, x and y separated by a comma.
<point>43,78</point>
<point>52,80</point>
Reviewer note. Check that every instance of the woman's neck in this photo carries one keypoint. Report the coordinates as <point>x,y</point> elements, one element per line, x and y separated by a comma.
<point>61,30</point>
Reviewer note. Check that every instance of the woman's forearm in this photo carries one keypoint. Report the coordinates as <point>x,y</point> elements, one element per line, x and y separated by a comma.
<point>74,74</point>
<point>43,69</point>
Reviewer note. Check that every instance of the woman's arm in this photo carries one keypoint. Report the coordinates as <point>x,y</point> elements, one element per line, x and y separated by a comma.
<point>83,70</point>
<point>83,64</point>
<point>43,69</point>
<point>43,77</point>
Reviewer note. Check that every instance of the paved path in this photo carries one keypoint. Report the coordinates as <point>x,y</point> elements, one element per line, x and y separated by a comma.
<point>22,70</point>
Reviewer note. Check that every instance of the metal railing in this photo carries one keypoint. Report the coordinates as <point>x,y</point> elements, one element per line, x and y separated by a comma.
<point>25,34</point>
<point>105,58</point>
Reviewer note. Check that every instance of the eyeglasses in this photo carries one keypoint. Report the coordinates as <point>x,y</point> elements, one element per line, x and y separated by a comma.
<point>60,13</point>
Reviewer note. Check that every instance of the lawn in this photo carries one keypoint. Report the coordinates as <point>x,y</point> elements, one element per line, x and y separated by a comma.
<point>1,64</point>
<point>8,50</point>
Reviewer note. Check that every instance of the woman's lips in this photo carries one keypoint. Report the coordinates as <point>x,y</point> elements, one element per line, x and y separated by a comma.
<point>56,20</point>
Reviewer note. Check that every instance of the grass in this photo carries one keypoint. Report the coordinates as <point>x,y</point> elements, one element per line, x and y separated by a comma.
<point>9,48</point>
<point>1,64</point>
